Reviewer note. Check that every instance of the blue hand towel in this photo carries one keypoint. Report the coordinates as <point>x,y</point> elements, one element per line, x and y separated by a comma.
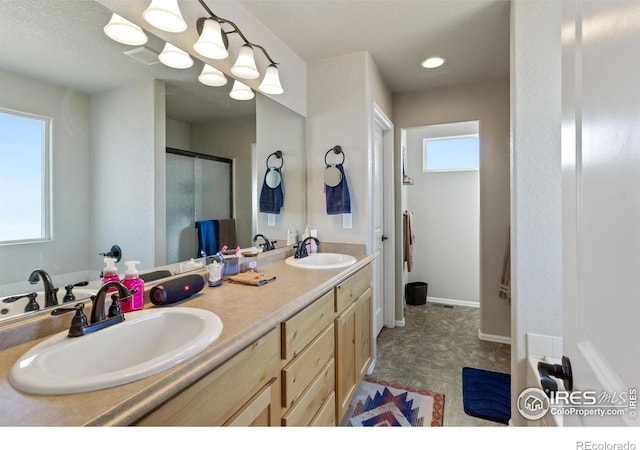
<point>338,199</point>
<point>207,237</point>
<point>271,199</point>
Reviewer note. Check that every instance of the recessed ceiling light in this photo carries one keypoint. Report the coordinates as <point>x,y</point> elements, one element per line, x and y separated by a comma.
<point>432,63</point>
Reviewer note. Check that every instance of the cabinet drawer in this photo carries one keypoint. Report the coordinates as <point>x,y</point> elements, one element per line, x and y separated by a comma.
<point>326,417</point>
<point>351,288</point>
<point>308,405</point>
<point>306,366</point>
<point>300,329</point>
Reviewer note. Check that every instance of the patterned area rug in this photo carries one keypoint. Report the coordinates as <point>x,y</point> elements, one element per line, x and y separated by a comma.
<point>381,404</point>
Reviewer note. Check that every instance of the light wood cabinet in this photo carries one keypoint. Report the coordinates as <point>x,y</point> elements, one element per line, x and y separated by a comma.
<point>353,328</point>
<point>308,369</point>
<point>243,391</point>
<point>304,373</point>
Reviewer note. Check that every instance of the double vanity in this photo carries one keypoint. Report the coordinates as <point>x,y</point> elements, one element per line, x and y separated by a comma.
<point>291,352</point>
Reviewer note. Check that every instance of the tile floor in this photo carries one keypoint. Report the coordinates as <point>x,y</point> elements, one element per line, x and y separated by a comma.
<point>430,351</point>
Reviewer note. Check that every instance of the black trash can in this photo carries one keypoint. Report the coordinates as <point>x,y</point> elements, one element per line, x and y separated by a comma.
<point>416,293</point>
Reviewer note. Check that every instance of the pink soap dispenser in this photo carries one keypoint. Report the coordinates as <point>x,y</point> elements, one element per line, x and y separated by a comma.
<point>132,281</point>
<point>110,272</point>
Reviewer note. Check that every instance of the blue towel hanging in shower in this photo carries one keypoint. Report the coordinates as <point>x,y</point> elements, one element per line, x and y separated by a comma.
<point>207,237</point>
<point>338,199</point>
<point>271,199</point>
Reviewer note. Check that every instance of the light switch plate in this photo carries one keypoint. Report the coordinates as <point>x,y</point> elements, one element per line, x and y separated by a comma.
<point>347,221</point>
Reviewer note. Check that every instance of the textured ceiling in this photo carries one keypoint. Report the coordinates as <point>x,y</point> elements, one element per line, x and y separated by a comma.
<point>472,36</point>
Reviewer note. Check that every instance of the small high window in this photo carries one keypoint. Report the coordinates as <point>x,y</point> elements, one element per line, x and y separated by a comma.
<point>451,153</point>
<point>24,179</point>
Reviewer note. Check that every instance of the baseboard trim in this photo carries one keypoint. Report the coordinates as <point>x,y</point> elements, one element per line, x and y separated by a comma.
<point>453,302</point>
<point>494,338</point>
<point>400,323</point>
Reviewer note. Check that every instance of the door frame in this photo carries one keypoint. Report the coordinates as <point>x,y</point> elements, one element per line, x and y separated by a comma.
<point>388,296</point>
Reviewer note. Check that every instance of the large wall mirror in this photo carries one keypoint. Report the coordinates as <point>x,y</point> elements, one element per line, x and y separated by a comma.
<point>113,115</point>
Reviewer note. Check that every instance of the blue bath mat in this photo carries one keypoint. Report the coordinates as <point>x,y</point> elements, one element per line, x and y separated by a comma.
<point>486,394</point>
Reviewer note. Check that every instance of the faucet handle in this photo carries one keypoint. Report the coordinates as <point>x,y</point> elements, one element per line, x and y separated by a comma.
<point>115,309</point>
<point>79,321</point>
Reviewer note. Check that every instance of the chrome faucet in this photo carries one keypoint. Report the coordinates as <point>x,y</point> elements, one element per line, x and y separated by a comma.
<point>267,245</point>
<point>50,293</point>
<point>99,320</point>
<point>301,247</point>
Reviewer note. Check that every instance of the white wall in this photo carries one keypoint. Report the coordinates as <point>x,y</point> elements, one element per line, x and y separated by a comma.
<point>487,102</point>
<point>536,240</point>
<point>341,92</point>
<point>68,251</point>
<point>446,212</point>
<point>178,134</point>
<point>123,173</point>
<point>280,129</point>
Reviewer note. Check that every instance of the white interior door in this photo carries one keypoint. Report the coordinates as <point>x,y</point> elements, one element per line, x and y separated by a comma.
<point>382,223</point>
<point>379,237</point>
<point>601,201</point>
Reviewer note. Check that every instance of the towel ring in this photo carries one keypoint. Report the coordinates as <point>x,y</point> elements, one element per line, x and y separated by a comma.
<point>332,175</point>
<point>278,155</point>
<point>337,150</point>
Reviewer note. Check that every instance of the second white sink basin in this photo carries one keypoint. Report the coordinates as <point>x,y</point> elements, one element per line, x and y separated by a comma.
<point>322,261</point>
<point>146,343</point>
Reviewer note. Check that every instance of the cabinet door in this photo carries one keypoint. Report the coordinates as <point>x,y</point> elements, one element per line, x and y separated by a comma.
<point>259,411</point>
<point>353,349</point>
<point>347,366</point>
<point>364,333</point>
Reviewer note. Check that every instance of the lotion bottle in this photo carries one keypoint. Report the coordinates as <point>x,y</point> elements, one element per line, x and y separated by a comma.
<point>132,281</point>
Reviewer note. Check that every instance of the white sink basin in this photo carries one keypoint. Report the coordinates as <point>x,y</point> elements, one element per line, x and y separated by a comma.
<point>322,261</point>
<point>146,343</point>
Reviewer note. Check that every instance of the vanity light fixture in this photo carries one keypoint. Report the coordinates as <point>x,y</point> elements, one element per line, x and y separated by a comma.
<point>121,30</point>
<point>213,43</point>
<point>165,15</point>
<point>241,91</point>
<point>213,37</point>
<point>212,76</point>
<point>432,63</point>
<point>172,56</point>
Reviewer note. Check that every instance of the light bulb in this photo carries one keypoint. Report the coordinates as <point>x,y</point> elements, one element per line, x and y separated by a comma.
<point>241,91</point>
<point>271,81</point>
<point>245,65</point>
<point>212,76</point>
<point>172,56</point>
<point>165,15</point>
<point>210,43</point>
<point>121,30</point>
<point>432,63</point>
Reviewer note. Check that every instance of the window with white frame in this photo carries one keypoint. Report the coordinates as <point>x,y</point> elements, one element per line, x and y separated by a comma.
<point>451,153</point>
<point>24,177</point>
